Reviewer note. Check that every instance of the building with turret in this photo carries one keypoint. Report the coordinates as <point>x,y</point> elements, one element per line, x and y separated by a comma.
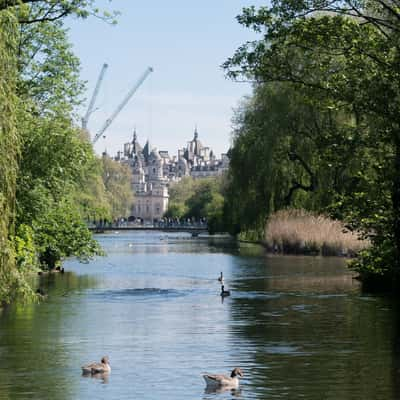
<point>154,170</point>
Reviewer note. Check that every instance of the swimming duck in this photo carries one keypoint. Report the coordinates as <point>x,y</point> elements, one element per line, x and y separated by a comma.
<point>224,380</point>
<point>97,368</point>
<point>221,277</point>
<point>224,293</point>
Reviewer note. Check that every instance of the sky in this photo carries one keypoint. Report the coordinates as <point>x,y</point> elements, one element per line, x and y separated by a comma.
<point>185,42</point>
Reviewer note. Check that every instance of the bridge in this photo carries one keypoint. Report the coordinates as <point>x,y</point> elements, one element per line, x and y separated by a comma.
<point>194,230</point>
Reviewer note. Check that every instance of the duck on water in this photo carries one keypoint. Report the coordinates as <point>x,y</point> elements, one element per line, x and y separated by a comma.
<point>224,293</point>
<point>97,368</point>
<point>217,380</point>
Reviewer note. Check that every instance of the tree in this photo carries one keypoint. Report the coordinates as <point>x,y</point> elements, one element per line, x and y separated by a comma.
<point>48,70</point>
<point>91,195</point>
<point>54,10</point>
<point>11,281</point>
<point>346,53</point>
<point>201,198</point>
<point>44,157</point>
<point>179,193</point>
<point>117,180</point>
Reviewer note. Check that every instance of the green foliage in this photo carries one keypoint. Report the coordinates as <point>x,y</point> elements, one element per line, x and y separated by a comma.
<point>201,198</point>
<point>60,233</point>
<point>288,151</point>
<point>11,280</point>
<point>53,10</point>
<point>179,193</point>
<point>44,160</point>
<point>117,180</point>
<point>49,71</point>
<point>91,195</point>
<point>214,210</point>
<point>204,191</point>
<point>55,162</point>
<point>343,67</point>
<point>25,248</point>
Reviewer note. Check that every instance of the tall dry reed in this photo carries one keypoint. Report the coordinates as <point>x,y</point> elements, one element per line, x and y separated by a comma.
<point>302,232</point>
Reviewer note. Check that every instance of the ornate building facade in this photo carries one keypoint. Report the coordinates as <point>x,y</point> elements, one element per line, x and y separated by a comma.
<point>154,170</point>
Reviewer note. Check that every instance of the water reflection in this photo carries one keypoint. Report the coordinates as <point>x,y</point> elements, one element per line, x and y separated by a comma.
<point>298,326</point>
<point>311,328</point>
<point>103,377</point>
<point>236,393</point>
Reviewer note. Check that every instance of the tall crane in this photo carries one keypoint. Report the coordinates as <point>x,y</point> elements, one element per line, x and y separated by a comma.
<point>89,111</point>
<point>123,104</point>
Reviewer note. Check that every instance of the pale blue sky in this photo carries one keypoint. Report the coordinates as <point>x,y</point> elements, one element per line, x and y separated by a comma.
<point>185,42</point>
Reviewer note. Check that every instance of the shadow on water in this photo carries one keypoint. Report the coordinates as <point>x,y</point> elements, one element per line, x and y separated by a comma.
<point>310,333</point>
<point>101,377</point>
<point>32,345</point>
<point>396,351</point>
<point>215,391</point>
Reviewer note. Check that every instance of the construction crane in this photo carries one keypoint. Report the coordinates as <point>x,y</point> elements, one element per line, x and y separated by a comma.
<point>89,111</point>
<point>123,104</point>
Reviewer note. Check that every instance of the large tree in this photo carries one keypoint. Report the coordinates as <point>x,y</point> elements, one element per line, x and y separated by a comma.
<point>45,159</point>
<point>346,53</point>
<point>9,151</point>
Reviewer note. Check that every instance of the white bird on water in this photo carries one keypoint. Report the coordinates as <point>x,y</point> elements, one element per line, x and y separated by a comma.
<point>216,381</point>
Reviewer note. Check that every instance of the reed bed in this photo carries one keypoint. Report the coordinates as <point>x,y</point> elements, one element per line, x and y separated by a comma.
<point>302,232</point>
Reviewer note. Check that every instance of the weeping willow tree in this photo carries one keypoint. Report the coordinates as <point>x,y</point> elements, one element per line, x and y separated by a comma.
<point>292,151</point>
<point>10,279</point>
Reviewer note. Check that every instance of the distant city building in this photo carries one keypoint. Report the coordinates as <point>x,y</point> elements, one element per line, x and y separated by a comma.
<point>154,170</point>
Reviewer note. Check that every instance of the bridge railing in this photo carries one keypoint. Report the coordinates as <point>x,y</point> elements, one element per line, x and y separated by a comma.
<point>144,225</point>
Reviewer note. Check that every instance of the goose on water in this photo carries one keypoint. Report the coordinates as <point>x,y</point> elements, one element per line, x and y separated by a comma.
<point>224,293</point>
<point>224,380</point>
<point>97,368</point>
<point>221,277</point>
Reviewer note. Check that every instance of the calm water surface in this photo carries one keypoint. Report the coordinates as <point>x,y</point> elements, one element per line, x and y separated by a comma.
<point>299,327</point>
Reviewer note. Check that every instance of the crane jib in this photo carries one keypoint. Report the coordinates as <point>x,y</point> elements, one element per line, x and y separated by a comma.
<point>122,104</point>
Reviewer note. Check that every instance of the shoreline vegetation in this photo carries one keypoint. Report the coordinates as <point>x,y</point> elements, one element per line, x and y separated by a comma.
<point>319,131</point>
<point>297,231</point>
<point>51,180</point>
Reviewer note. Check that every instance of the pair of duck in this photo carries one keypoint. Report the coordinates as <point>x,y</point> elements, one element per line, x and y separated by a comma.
<point>212,380</point>
<point>224,293</point>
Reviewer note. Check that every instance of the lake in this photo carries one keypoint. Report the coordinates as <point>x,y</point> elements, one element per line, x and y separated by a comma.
<point>299,327</point>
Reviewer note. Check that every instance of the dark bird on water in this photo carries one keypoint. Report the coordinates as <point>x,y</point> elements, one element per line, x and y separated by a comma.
<point>224,292</point>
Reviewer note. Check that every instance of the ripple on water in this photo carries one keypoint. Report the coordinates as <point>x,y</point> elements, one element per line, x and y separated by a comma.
<point>285,349</point>
<point>138,293</point>
<point>256,295</point>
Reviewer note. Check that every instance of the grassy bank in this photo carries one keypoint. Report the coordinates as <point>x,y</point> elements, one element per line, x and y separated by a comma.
<point>301,232</point>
